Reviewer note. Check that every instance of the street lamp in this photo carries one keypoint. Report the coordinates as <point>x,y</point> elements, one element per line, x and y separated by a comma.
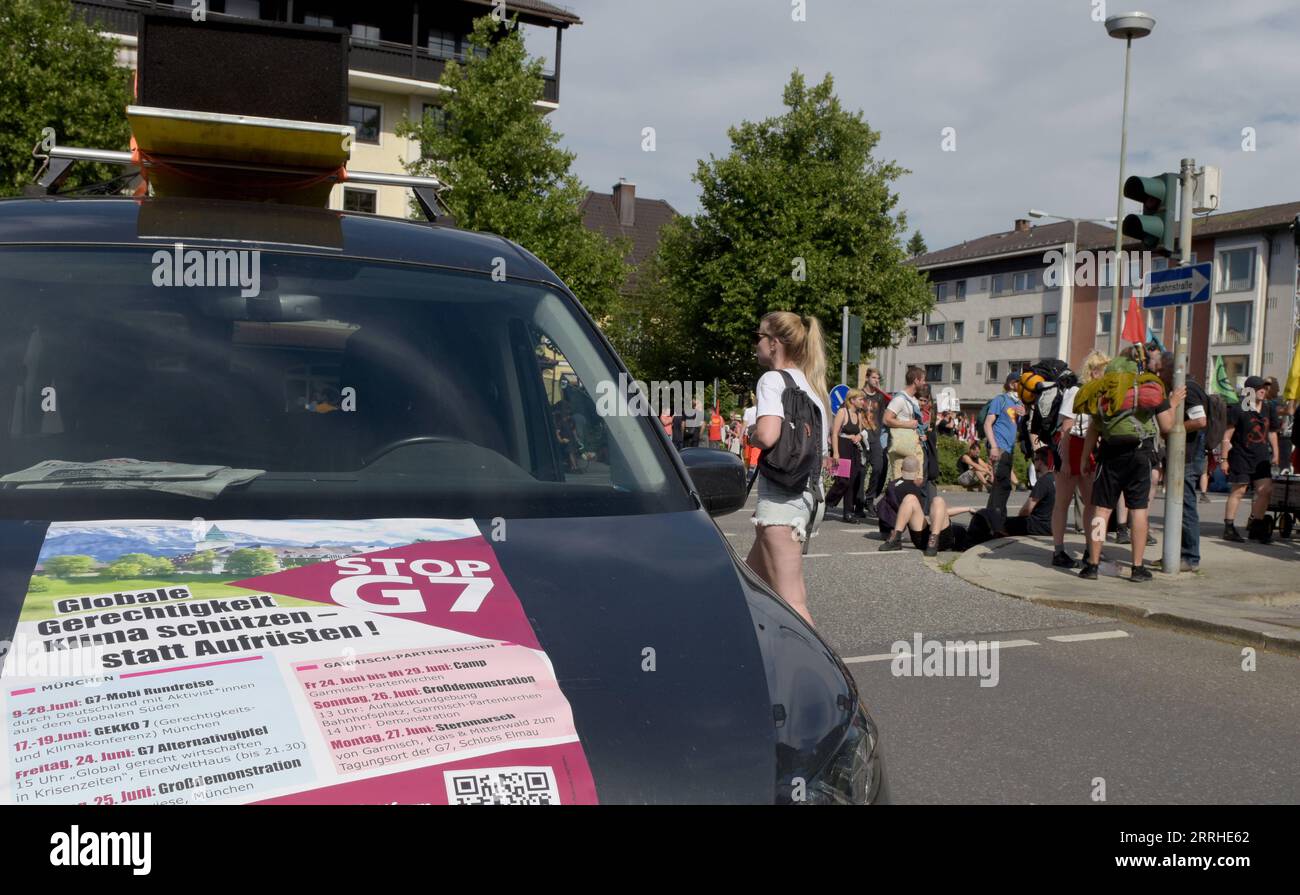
<point>1127,27</point>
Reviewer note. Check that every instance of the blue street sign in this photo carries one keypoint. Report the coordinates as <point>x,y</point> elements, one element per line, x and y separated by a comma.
<point>1179,286</point>
<point>838,394</point>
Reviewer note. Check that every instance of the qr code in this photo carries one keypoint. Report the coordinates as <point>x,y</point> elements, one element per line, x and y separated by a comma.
<point>501,786</point>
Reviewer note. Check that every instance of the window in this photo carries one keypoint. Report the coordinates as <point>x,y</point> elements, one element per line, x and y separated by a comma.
<point>991,373</point>
<point>358,200</point>
<point>956,374</point>
<point>1156,321</point>
<point>940,292</point>
<point>442,43</point>
<point>995,329</point>
<point>439,116</point>
<point>1232,322</point>
<point>1103,323</point>
<point>961,290</point>
<point>1022,326</point>
<point>248,9</point>
<point>1236,270</point>
<point>1016,367</point>
<point>1049,324</point>
<point>934,332</point>
<point>473,396</point>
<point>934,372</point>
<point>365,34</point>
<point>1001,283</point>
<point>958,331</point>
<point>1026,281</point>
<point>318,21</point>
<point>365,118</point>
<point>911,335</point>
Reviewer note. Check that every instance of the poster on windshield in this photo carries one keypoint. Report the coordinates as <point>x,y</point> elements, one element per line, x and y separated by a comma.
<point>294,662</point>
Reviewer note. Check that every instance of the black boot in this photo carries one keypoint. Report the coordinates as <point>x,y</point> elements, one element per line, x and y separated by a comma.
<point>894,542</point>
<point>1230,532</point>
<point>848,517</point>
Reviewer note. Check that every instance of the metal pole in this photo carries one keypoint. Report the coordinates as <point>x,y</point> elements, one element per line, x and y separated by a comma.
<point>1176,444</point>
<point>1119,210</point>
<point>844,345</point>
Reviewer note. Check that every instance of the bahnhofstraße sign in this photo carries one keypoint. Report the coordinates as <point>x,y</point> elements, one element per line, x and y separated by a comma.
<point>1188,285</point>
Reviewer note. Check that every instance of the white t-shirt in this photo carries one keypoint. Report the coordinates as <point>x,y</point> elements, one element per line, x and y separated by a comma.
<point>1078,425</point>
<point>771,385</point>
<point>750,417</point>
<point>903,407</point>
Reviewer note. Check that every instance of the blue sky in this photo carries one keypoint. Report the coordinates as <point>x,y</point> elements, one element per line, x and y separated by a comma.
<point>1032,87</point>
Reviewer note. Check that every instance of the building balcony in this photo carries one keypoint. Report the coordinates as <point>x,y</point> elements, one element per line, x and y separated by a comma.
<point>399,59</point>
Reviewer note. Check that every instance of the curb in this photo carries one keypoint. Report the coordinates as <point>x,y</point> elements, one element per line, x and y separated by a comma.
<point>1226,631</point>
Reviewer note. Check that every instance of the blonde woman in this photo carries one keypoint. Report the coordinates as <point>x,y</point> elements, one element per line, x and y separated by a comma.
<point>1072,432</point>
<point>848,442</point>
<point>785,519</point>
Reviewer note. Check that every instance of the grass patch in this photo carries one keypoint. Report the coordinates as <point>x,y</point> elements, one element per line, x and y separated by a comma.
<point>41,605</point>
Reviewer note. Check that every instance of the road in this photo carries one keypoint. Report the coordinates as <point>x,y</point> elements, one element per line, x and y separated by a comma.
<point>1159,716</point>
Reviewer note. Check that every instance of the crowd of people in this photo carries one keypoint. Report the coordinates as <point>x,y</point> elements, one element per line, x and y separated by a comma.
<point>1105,443</point>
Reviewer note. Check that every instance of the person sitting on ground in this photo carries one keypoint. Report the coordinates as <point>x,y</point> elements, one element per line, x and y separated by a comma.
<point>975,473</point>
<point>904,506</point>
<point>1036,514</point>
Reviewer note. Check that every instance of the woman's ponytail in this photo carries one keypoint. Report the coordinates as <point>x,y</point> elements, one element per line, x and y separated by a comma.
<point>813,362</point>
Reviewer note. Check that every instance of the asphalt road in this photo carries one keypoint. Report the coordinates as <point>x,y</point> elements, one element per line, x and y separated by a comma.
<point>1161,717</point>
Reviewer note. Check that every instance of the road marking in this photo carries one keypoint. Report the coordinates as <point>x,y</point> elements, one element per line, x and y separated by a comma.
<point>814,555</point>
<point>730,534</point>
<point>874,552</point>
<point>964,647</point>
<point>1096,635</point>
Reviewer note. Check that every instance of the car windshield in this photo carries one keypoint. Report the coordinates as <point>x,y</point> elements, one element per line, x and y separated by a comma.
<point>305,386</point>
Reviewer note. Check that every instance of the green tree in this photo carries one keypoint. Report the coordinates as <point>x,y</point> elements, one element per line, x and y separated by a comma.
<point>57,72</point>
<point>38,584</point>
<point>799,216</point>
<point>249,562</point>
<point>507,172</point>
<point>67,566</point>
<point>122,568</point>
<point>916,245</point>
<point>149,565</point>
<point>200,562</point>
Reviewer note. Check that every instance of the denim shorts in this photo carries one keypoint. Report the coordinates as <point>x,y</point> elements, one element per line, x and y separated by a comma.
<point>781,506</point>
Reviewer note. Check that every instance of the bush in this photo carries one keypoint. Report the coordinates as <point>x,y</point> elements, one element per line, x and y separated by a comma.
<point>951,448</point>
<point>38,585</point>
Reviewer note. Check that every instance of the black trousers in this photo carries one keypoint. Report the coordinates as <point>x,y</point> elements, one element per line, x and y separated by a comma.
<point>846,489</point>
<point>879,469</point>
<point>1001,490</point>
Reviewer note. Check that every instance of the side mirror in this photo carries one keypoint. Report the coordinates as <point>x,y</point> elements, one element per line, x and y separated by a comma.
<point>719,479</point>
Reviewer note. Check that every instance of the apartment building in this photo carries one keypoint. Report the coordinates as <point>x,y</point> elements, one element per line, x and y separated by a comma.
<point>398,53</point>
<point>1001,301</point>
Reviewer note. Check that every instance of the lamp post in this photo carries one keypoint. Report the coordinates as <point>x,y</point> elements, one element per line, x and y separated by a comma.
<point>1127,27</point>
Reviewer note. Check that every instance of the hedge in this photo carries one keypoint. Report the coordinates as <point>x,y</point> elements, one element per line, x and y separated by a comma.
<point>951,448</point>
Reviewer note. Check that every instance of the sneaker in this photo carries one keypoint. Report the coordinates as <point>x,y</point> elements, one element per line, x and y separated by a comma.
<point>1140,573</point>
<point>891,545</point>
<point>1185,566</point>
<point>1204,498</point>
<point>1089,571</point>
<point>1063,560</point>
<point>1230,533</point>
<point>1122,536</point>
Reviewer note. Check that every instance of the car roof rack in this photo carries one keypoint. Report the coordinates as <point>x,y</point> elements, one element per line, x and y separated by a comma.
<point>176,152</point>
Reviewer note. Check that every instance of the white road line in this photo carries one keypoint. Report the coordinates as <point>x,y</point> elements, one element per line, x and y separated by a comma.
<point>1096,635</point>
<point>730,534</point>
<point>965,647</point>
<point>874,553</point>
<point>814,555</point>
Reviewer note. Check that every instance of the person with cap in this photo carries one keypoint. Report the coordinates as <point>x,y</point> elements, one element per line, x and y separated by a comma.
<point>1249,452</point>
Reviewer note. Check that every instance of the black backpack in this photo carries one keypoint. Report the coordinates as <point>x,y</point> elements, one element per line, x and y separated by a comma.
<point>797,454</point>
<point>1042,388</point>
<point>1216,410</point>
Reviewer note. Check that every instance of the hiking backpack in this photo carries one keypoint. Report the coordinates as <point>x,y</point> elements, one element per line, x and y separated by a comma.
<point>1042,387</point>
<point>797,454</point>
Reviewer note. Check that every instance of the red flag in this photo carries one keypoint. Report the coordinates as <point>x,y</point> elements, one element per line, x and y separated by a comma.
<point>1135,328</point>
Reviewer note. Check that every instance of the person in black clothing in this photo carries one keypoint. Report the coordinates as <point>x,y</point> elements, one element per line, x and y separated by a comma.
<point>906,506</point>
<point>1036,515</point>
<point>1249,453</point>
<point>876,402</point>
<point>847,434</point>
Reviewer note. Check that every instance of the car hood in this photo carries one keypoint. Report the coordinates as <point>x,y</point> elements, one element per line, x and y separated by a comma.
<point>654,637</point>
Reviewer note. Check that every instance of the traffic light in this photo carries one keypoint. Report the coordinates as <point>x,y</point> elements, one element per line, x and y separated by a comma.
<point>1157,225</point>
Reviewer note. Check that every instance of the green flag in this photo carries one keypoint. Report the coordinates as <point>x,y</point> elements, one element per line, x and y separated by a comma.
<point>1222,387</point>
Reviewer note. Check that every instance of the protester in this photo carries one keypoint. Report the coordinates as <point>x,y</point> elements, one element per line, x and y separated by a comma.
<point>876,403</point>
<point>748,420</point>
<point>1194,422</point>
<point>1035,516</point>
<point>784,519</point>
<point>973,471</point>
<point>903,419</point>
<point>1128,410</point>
<point>715,429</point>
<point>1249,452</point>
<point>1071,434</point>
<point>906,506</point>
<point>846,450</point>
<point>930,443</point>
<point>1281,412</point>
<point>1000,430</point>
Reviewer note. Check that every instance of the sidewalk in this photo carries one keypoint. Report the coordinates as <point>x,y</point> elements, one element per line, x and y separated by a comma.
<point>1243,593</point>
